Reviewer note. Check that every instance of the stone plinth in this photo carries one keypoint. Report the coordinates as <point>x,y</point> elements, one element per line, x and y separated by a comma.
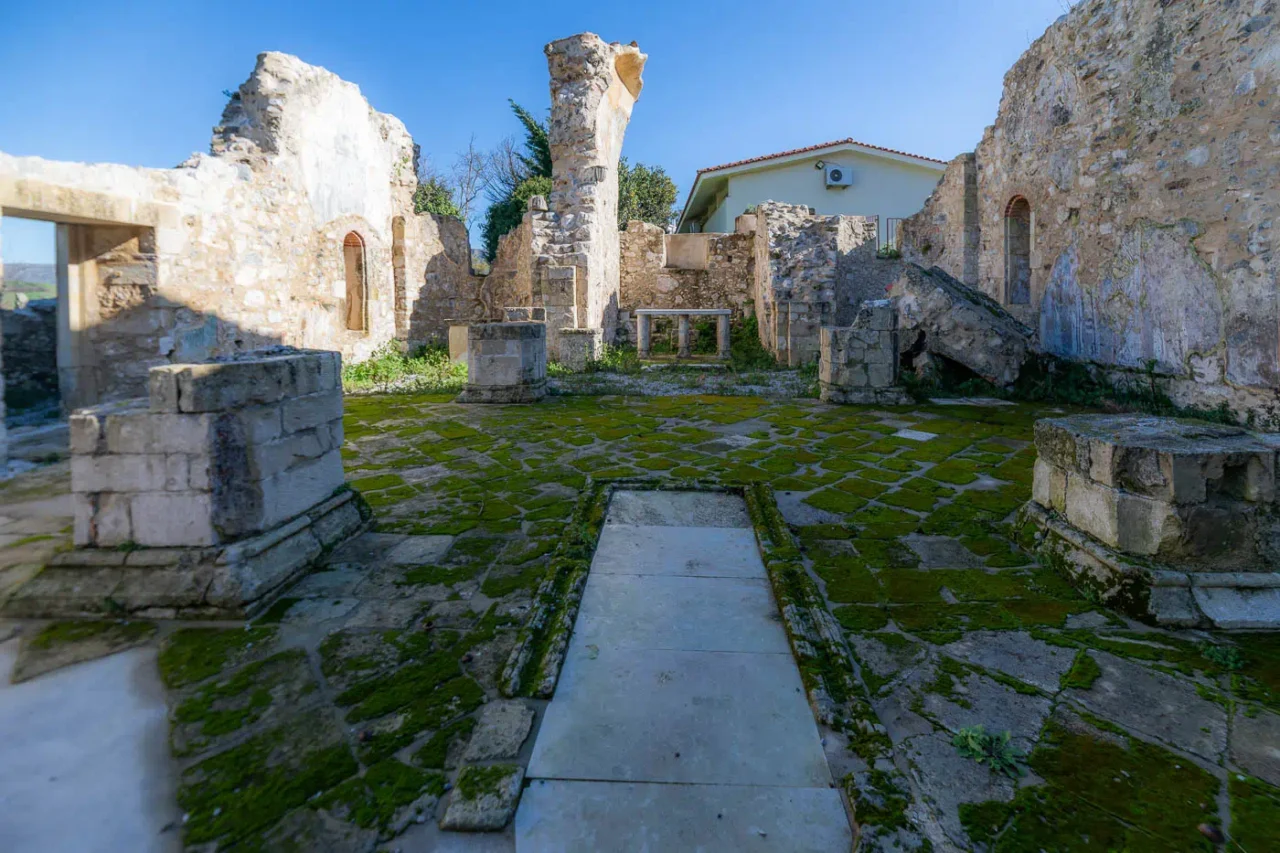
<point>859,363</point>
<point>1174,520</point>
<point>205,498</point>
<point>506,363</point>
<point>579,347</point>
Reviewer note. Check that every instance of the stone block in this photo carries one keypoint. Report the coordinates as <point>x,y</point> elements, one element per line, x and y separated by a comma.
<point>271,458</point>
<point>1131,523</point>
<point>458,343</point>
<point>173,519</point>
<point>301,487</point>
<point>507,363</point>
<point>117,473</point>
<point>86,432</point>
<point>1049,487</point>
<point>579,347</point>
<point>311,411</point>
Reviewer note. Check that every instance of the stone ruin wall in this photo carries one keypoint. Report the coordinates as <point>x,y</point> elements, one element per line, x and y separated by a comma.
<point>945,233</point>
<point>241,248</point>
<point>661,270</point>
<point>812,271</point>
<point>1146,139</point>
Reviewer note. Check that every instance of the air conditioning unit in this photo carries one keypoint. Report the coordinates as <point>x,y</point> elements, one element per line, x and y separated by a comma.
<point>837,176</point>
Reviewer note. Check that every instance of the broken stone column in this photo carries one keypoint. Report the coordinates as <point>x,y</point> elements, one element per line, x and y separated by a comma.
<point>943,316</point>
<point>1173,521</point>
<point>205,498</point>
<point>506,363</point>
<point>594,87</point>
<point>859,363</point>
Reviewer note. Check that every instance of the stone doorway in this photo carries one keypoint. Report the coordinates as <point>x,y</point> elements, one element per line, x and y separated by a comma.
<point>29,310</point>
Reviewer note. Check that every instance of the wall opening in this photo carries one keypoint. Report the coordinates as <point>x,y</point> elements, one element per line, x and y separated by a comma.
<point>399,277</point>
<point>357,301</point>
<point>29,319</point>
<point>1017,252</point>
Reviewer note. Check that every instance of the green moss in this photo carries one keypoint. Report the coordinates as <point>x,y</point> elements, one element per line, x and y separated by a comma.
<point>879,801</point>
<point>959,472</point>
<point>194,654</point>
<point>984,821</point>
<point>861,619</point>
<point>1083,673</point>
<point>377,482</point>
<point>228,705</point>
<point>862,488</point>
<point>1255,814</point>
<point>435,752</point>
<point>476,781</point>
<point>499,586</point>
<point>835,500</point>
<point>116,633</point>
<point>1101,795</point>
<point>847,579</point>
<point>371,801</point>
<point>237,793</point>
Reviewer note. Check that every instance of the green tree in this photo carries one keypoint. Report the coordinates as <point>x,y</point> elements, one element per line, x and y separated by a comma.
<point>433,196</point>
<point>645,193</point>
<point>505,215</point>
<point>516,179</point>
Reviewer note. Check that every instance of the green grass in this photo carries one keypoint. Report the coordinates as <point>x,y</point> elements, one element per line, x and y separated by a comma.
<point>426,371</point>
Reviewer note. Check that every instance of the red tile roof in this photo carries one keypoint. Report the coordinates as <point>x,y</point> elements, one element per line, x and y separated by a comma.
<point>815,148</point>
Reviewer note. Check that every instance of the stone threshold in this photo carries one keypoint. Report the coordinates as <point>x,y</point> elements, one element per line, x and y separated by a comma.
<point>1157,594</point>
<point>232,581</point>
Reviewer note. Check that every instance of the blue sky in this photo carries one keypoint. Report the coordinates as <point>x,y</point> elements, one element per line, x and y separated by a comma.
<point>141,82</point>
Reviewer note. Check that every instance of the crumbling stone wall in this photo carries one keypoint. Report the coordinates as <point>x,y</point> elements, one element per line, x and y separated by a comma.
<point>811,270</point>
<point>594,87</point>
<point>242,248</point>
<point>945,233</point>
<point>1144,138</point>
<point>716,271</point>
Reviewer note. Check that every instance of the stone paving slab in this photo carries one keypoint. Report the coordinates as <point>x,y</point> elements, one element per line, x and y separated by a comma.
<point>678,509</point>
<point>677,716</point>
<point>577,817</point>
<point>696,551</point>
<point>85,761</point>
<point>675,612</point>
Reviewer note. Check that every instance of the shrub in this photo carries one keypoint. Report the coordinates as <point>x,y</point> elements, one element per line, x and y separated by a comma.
<point>428,370</point>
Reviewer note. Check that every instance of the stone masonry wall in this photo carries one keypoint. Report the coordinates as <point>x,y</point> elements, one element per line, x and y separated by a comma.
<point>243,248</point>
<point>721,277</point>
<point>945,232</point>
<point>1144,137</point>
<point>809,269</point>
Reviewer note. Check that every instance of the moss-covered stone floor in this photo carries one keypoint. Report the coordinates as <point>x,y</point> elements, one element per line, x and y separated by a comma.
<point>340,717</point>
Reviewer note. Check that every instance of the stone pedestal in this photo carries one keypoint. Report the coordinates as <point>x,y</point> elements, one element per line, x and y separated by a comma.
<point>1173,521</point>
<point>506,363</point>
<point>206,498</point>
<point>578,347</point>
<point>859,363</point>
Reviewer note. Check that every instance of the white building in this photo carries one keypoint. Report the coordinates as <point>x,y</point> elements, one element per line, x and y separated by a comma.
<point>835,177</point>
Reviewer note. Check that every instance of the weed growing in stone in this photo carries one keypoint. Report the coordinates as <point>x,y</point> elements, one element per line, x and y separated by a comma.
<point>994,750</point>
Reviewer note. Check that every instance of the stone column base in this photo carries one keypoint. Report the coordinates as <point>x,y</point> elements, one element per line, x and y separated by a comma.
<point>578,347</point>
<point>231,581</point>
<point>1151,592</point>
<point>528,393</point>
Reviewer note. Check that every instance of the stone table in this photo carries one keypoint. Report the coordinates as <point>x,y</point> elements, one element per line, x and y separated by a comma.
<point>644,318</point>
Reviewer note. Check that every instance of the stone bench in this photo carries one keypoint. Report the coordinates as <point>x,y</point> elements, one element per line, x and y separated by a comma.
<point>644,318</point>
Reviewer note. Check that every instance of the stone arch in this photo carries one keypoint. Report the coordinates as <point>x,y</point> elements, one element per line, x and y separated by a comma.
<point>356,266</point>
<point>1017,251</point>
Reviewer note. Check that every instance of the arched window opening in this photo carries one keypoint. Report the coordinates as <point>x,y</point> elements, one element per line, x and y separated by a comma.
<point>357,291</point>
<point>1017,252</point>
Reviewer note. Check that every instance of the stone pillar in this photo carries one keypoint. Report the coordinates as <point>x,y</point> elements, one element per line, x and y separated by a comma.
<point>580,347</point>
<point>859,363</point>
<point>722,336</point>
<point>506,363</point>
<point>682,337</point>
<point>206,498</point>
<point>643,335</point>
<point>557,289</point>
<point>594,87</point>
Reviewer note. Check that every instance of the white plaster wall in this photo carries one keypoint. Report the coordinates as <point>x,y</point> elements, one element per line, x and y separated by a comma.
<point>881,187</point>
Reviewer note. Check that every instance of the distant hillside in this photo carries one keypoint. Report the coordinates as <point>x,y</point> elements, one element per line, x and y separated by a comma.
<point>33,273</point>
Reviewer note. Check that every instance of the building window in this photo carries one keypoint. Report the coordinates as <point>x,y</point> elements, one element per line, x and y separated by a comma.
<point>1017,252</point>
<point>357,289</point>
